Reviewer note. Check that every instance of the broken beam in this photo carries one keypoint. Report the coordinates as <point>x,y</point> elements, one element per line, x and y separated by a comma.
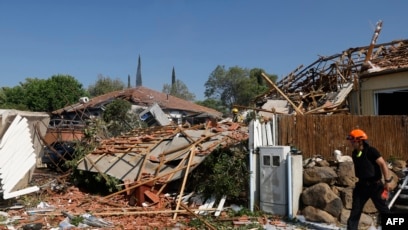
<point>197,216</point>
<point>283,94</point>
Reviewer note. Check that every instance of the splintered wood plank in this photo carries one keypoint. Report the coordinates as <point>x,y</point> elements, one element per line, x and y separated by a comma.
<point>220,205</point>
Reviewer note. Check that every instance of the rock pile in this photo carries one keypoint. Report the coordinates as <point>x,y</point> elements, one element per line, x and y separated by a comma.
<point>327,191</point>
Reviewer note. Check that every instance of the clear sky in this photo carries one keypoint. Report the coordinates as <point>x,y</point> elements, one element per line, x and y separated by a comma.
<point>87,38</point>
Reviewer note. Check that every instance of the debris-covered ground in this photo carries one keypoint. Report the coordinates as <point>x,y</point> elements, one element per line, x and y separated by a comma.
<point>59,205</point>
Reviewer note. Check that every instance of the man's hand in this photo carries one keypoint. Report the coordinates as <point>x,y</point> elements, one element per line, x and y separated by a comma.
<point>387,186</point>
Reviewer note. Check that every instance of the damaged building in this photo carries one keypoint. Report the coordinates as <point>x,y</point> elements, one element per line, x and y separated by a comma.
<point>153,108</point>
<point>366,80</point>
<point>140,97</point>
<point>151,157</point>
<point>359,81</point>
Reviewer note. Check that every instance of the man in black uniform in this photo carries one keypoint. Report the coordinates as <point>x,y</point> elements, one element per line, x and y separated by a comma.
<point>369,167</point>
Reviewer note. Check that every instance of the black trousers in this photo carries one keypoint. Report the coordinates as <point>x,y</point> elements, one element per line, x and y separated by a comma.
<point>361,193</point>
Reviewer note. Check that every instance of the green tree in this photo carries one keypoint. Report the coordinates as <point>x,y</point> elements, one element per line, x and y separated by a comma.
<point>178,89</point>
<point>139,73</point>
<point>38,96</point>
<point>119,118</point>
<point>223,172</point>
<point>213,104</point>
<point>117,110</point>
<point>105,85</point>
<point>63,90</point>
<point>12,98</point>
<point>173,77</point>
<point>235,85</point>
<point>43,95</point>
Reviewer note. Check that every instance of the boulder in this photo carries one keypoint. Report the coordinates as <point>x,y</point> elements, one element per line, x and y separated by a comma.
<point>398,166</point>
<point>395,179</point>
<point>316,175</point>
<point>322,197</point>
<point>345,173</point>
<point>317,215</point>
<point>364,223</point>
<point>346,195</point>
<point>322,163</point>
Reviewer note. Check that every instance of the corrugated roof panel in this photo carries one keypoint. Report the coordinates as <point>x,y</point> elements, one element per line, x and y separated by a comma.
<point>17,157</point>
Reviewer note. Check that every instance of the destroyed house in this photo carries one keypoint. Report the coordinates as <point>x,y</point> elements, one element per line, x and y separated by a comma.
<point>139,97</point>
<point>385,84</point>
<point>155,156</point>
<point>367,80</point>
<point>67,125</point>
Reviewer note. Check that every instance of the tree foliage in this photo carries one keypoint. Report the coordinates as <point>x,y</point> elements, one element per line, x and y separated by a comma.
<point>13,98</point>
<point>119,118</point>
<point>139,73</point>
<point>213,104</point>
<point>105,85</point>
<point>43,95</point>
<point>223,172</point>
<point>235,85</point>
<point>178,89</point>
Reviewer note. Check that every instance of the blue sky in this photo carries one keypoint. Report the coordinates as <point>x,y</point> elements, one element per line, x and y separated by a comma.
<point>88,38</point>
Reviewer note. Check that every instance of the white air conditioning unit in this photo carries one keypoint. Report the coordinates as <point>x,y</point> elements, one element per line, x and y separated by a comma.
<point>83,100</point>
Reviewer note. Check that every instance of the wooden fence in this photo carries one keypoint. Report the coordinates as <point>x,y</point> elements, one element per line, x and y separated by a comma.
<point>321,135</point>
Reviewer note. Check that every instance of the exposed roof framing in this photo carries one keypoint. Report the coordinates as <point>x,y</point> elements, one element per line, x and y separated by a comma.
<point>161,153</point>
<point>317,85</point>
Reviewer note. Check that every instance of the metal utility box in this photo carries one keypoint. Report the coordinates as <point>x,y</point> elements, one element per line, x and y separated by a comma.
<point>280,183</point>
<point>273,180</point>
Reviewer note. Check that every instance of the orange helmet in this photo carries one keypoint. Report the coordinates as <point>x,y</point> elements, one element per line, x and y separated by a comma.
<point>357,134</point>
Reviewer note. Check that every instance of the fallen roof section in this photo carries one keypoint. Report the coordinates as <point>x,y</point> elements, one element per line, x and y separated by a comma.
<point>162,154</point>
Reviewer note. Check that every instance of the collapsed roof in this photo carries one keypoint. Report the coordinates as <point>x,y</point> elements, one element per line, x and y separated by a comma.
<point>141,96</point>
<point>161,153</point>
<point>325,84</point>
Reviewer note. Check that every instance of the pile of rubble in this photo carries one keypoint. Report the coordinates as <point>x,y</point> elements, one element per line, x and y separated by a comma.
<point>59,205</point>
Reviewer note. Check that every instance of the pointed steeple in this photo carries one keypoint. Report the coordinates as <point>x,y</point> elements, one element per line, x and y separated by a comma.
<point>139,73</point>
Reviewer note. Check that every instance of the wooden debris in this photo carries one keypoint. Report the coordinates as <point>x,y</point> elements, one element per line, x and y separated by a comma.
<point>309,90</point>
